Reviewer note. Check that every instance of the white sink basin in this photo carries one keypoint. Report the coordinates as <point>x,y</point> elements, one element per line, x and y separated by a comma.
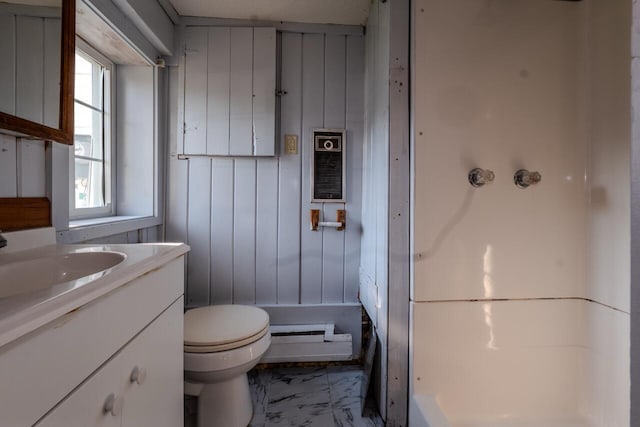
<point>41,273</point>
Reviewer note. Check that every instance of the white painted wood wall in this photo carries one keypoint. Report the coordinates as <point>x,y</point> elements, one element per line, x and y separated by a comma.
<point>374,267</point>
<point>30,76</point>
<point>375,186</point>
<point>143,235</point>
<point>247,220</point>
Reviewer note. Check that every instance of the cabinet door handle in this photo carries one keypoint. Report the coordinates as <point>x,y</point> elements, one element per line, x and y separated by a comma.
<point>113,405</point>
<point>138,375</point>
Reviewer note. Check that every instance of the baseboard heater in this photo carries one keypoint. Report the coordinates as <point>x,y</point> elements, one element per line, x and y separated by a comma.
<point>307,343</point>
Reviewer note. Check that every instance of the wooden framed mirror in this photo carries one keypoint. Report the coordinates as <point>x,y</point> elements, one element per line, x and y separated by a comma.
<point>36,79</point>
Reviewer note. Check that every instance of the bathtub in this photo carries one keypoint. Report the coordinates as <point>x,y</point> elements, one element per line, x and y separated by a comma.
<point>518,363</point>
<point>425,412</point>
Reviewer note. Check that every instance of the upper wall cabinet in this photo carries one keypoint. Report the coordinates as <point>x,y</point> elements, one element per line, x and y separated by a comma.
<point>229,91</point>
<point>36,72</point>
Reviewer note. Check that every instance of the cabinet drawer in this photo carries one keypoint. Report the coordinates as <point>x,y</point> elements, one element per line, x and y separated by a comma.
<point>59,356</point>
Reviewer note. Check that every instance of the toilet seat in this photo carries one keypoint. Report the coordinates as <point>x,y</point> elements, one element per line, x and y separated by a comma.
<point>223,327</point>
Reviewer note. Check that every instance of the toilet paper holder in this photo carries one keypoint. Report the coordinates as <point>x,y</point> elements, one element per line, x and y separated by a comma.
<point>339,224</point>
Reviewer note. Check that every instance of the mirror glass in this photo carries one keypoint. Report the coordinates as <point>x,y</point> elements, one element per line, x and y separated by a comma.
<point>30,52</point>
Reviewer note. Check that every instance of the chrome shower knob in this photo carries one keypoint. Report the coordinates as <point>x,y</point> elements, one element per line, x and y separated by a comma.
<point>523,178</point>
<point>479,177</point>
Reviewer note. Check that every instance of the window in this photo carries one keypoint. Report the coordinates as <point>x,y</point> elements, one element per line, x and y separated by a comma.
<point>91,169</point>
<point>114,168</point>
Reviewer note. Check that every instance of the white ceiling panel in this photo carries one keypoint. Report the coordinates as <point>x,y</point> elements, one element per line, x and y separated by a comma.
<point>348,12</point>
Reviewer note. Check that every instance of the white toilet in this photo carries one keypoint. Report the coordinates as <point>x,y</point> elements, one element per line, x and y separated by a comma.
<point>221,344</point>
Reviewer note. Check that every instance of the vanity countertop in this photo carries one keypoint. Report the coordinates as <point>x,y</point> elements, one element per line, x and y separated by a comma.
<point>23,313</point>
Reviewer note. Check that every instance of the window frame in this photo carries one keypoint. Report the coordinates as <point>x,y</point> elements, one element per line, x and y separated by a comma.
<point>108,136</point>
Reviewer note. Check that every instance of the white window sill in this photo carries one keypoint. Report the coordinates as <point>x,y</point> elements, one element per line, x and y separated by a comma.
<point>88,229</point>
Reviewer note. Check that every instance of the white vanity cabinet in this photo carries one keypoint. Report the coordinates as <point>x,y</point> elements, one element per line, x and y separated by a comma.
<point>140,383</point>
<point>127,343</point>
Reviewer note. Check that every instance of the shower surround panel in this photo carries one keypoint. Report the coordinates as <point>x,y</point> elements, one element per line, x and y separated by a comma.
<point>521,295</point>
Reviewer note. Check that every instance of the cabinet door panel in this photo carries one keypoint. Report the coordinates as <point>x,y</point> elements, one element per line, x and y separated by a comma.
<point>218,91</point>
<point>229,91</point>
<point>195,91</point>
<point>241,93</point>
<point>264,89</point>
<point>85,406</point>
<point>158,352</point>
<point>155,401</point>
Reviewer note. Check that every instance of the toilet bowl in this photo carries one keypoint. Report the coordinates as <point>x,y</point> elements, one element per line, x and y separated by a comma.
<point>221,344</point>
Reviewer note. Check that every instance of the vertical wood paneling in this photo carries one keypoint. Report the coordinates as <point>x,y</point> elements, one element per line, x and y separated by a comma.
<point>313,117</point>
<point>29,68</point>
<point>267,231</point>
<point>375,250</point>
<point>152,235</point>
<point>133,236</point>
<point>177,174</point>
<point>264,79</point>
<point>374,139</point>
<point>334,117</point>
<point>355,136</point>
<point>244,232</point>
<point>177,200</point>
<point>260,247</point>
<point>335,81</point>
<point>222,176</point>
<point>241,84</point>
<point>114,239</point>
<point>381,167</point>
<point>195,91</point>
<point>368,242</point>
<point>8,63</point>
<point>8,170</point>
<point>199,215</point>
<point>290,215</point>
<point>52,37</point>
<point>31,168</point>
<point>57,158</point>
<point>397,308</point>
<point>134,110</point>
<point>218,91</point>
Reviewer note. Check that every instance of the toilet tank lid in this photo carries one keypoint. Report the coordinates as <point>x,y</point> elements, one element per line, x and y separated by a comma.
<point>222,324</point>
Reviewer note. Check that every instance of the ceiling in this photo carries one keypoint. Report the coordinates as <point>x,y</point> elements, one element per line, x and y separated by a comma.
<point>349,12</point>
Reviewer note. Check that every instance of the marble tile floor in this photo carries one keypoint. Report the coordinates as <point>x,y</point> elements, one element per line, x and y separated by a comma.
<point>306,397</point>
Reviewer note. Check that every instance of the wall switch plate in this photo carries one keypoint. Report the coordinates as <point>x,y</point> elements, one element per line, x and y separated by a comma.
<point>291,144</point>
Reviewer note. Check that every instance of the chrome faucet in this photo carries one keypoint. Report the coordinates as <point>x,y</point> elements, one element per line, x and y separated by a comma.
<point>479,177</point>
<point>523,178</point>
<point>3,241</point>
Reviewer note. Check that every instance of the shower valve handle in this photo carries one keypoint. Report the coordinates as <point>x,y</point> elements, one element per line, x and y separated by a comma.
<point>523,178</point>
<point>479,177</point>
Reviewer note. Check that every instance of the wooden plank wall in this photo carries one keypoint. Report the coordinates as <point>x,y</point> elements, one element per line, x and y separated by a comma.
<point>399,232</point>
<point>247,219</point>
<point>32,93</point>
<point>373,271</point>
<point>143,235</point>
<point>374,277</point>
